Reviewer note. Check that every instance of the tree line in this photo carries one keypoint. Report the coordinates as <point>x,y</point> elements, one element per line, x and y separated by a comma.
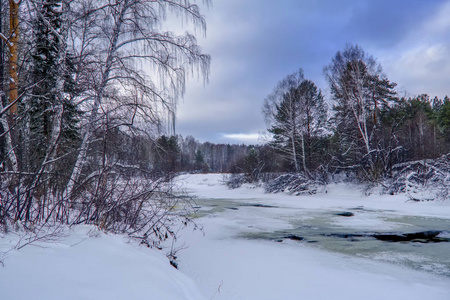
<point>176,153</point>
<point>365,128</point>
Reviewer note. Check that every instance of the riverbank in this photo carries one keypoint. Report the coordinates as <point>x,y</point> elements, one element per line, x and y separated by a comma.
<point>84,263</point>
<point>229,263</point>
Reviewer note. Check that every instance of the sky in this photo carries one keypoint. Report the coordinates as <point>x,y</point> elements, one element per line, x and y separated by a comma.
<point>256,43</point>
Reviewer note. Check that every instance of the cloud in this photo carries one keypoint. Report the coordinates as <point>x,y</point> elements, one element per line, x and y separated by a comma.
<point>254,44</point>
<point>423,69</point>
<point>420,61</point>
<point>248,138</point>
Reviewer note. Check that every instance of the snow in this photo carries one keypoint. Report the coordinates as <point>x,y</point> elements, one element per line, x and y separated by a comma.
<point>227,266</point>
<point>366,221</point>
<point>221,263</point>
<point>262,270</point>
<point>88,264</point>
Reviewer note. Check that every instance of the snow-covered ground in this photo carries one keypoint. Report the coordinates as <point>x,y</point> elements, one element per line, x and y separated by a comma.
<point>88,264</point>
<point>242,252</point>
<point>228,264</point>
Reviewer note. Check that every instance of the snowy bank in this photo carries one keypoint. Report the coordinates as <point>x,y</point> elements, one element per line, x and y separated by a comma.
<point>228,264</point>
<point>88,264</point>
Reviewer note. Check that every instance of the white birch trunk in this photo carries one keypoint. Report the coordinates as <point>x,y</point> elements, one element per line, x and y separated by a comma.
<point>11,153</point>
<point>294,153</point>
<point>89,129</point>
<point>303,154</point>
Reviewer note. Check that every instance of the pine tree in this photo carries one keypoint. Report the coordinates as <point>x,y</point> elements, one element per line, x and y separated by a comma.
<point>200,164</point>
<point>45,96</point>
<point>297,114</point>
<point>168,151</point>
<point>444,118</point>
<point>360,91</point>
<point>252,165</point>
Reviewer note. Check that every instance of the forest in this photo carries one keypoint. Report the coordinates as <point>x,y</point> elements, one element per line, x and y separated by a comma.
<point>88,105</point>
<point>365,131</point>
<point>86,85</point>
<point>365,127</point>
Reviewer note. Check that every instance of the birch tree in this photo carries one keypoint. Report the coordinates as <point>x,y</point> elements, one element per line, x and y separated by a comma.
<point>296,114</point>
<point>359,89</point>
<point>112,68</point>
<point>118,43</point>
<point>281,114</point>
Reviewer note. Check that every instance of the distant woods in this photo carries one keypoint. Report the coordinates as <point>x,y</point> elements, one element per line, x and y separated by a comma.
<point>365,128</point>
<point>185,154</point>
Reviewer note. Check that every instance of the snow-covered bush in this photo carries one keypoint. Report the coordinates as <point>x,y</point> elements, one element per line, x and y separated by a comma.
<point>235,181</point>
<point>144,208</point>
<point>295,184</point>
<point>422,180</point>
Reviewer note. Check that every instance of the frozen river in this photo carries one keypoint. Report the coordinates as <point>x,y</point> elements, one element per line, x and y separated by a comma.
<point>333,245</point>
<point>418,242</point>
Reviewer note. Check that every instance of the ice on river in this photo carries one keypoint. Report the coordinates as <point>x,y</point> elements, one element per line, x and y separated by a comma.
<point>242,253</point>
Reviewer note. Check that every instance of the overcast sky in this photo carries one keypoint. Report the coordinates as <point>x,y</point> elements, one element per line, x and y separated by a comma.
<point>256,43</point>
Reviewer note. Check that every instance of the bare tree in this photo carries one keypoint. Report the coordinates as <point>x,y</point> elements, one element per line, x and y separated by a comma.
<point>119,41</point>
<point>112,62</point>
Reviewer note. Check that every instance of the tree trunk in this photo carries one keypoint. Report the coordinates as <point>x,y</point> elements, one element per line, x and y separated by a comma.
<point>89,129</point>
<point>304,155</point>
<point>13,50</point>
<point>2,55</point>
<point>8,124</point>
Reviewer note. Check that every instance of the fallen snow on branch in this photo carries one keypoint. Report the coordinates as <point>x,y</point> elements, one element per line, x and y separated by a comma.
<point>294,184</point>
<point>422,180</point>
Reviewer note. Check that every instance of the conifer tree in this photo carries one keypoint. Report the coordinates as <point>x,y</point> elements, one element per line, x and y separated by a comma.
<point>444,118</point>
<point>44,76</point>
<point>359,90</point>
<point>296,114</point>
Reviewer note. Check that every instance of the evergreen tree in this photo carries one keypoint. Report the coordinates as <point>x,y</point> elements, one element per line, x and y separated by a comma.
<point>252,165</point>
<point>168,151</point>
<point>44,96</point>
<point>200,164</point>
<point>360,91</point>
<point>444,118</point>
<point>297,115</point>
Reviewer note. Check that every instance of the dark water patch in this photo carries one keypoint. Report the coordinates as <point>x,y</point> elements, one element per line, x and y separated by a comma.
<point>430,236</point>
<point>277,236</point>
<point>259,205</point>
<point>346,235</point>
<point>294,237</point>
<point>232,208</point>
<point>345,214</point>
